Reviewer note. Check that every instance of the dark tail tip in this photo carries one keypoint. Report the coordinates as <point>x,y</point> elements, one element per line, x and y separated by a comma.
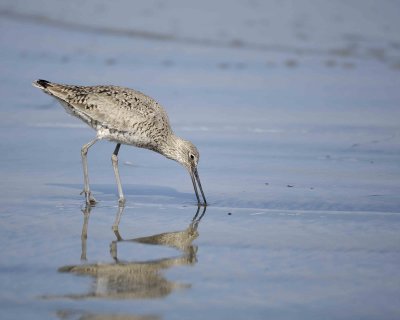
<point>42,84</point>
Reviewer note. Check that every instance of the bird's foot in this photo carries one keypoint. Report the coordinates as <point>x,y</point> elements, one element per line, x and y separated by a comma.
<point>90,200</point>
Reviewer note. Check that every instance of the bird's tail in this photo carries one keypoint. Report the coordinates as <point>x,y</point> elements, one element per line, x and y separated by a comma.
<point>41,84</point>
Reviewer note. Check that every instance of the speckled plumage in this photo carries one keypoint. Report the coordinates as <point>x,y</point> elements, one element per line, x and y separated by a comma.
<point>116,113</point>
<point>124,116</point>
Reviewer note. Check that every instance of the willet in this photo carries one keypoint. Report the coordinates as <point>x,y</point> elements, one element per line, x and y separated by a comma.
<point>124,116</point>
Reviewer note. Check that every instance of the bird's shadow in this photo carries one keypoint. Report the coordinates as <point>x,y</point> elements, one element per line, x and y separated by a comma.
<point>131,190</point>
<point>128,279</point>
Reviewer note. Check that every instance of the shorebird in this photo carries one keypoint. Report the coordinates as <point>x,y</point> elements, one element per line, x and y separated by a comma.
<point>124,116</point>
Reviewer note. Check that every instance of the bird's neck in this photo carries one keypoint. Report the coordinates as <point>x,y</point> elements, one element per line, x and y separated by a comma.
<point>173,148</point>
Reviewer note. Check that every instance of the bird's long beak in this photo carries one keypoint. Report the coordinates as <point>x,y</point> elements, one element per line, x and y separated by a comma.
<point>195,178</point>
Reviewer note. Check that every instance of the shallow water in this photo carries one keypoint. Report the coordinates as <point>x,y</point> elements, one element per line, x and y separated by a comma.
<point>300,156</point>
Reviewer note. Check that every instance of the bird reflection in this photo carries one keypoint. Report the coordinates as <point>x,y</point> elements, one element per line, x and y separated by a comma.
<point>136,279</point>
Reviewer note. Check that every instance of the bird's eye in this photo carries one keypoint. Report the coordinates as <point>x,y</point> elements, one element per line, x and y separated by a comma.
<point>192,157</point>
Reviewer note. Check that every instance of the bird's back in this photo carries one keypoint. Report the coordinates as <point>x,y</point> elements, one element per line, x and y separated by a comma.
<point>121,114</point>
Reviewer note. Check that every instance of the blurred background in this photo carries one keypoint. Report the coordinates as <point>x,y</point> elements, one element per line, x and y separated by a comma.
<point>294,107</point>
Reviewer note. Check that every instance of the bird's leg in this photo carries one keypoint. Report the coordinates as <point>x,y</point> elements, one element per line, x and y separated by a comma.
<point>90,200</point>
<point>114,160</point>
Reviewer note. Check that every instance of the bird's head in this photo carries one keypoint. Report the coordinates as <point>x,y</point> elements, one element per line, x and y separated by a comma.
<point>186,154</point>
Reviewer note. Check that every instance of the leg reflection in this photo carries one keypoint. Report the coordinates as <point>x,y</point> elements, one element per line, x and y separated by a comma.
<point>86,214</point>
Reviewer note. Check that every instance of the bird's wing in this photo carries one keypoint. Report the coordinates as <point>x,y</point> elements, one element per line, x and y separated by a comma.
<point>112,106</point>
